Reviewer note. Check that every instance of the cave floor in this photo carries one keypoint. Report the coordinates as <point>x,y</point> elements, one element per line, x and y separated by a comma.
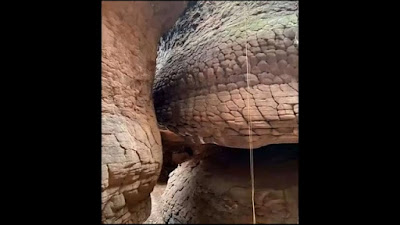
<point>156,208</point>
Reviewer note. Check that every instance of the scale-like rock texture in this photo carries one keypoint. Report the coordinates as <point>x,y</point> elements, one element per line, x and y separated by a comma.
<point>200,89</point>
<point>217,190</point>
<point>131,143</point>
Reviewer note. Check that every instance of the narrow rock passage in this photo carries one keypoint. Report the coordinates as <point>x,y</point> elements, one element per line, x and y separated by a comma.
<point>156,206</point>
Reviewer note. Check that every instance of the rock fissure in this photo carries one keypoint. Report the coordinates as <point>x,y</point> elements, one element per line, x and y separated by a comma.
<point>197,76</point>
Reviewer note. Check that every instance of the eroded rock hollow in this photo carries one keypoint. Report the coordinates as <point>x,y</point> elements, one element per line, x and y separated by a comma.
<point>219,72</point>
<point>217,188</point>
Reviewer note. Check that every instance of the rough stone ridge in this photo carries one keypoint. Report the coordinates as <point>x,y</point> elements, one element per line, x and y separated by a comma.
<point>218,191</point>
<point>131,143</point>
<point>200,88</point>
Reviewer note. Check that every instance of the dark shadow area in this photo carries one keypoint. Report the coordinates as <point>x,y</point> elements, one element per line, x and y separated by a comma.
<point>271,154</point>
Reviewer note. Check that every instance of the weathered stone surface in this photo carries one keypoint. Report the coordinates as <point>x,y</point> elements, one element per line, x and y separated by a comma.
<point>209,89</point>
<point>231,59</point>
<point>131,143</point>
<point>204,191</point>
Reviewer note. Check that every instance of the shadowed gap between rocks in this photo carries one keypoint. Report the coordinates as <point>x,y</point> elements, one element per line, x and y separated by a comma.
<point>227,162</point>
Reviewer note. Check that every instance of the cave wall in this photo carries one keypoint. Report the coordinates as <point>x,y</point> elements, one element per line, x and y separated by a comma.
<point>202,89</point>
<point>131,142</point>
<point>217,189</point>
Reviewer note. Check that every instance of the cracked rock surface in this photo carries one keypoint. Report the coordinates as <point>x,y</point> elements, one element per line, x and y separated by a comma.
<point>217,189</point>
<point>200,88</point>
<point>200,92</point>
<point>203,93</point>
<point>131,143</point>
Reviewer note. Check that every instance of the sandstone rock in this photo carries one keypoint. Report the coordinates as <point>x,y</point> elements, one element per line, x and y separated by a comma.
<point>218,41</point>
<point>130,141</point>
<point>228,199</point>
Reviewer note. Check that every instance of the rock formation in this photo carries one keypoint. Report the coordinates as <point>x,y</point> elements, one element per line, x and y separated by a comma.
<point>217,188</point>
<point>131,142</point>
<point>205,104</point>
<point>209,92</point>
<point>200,90</point>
